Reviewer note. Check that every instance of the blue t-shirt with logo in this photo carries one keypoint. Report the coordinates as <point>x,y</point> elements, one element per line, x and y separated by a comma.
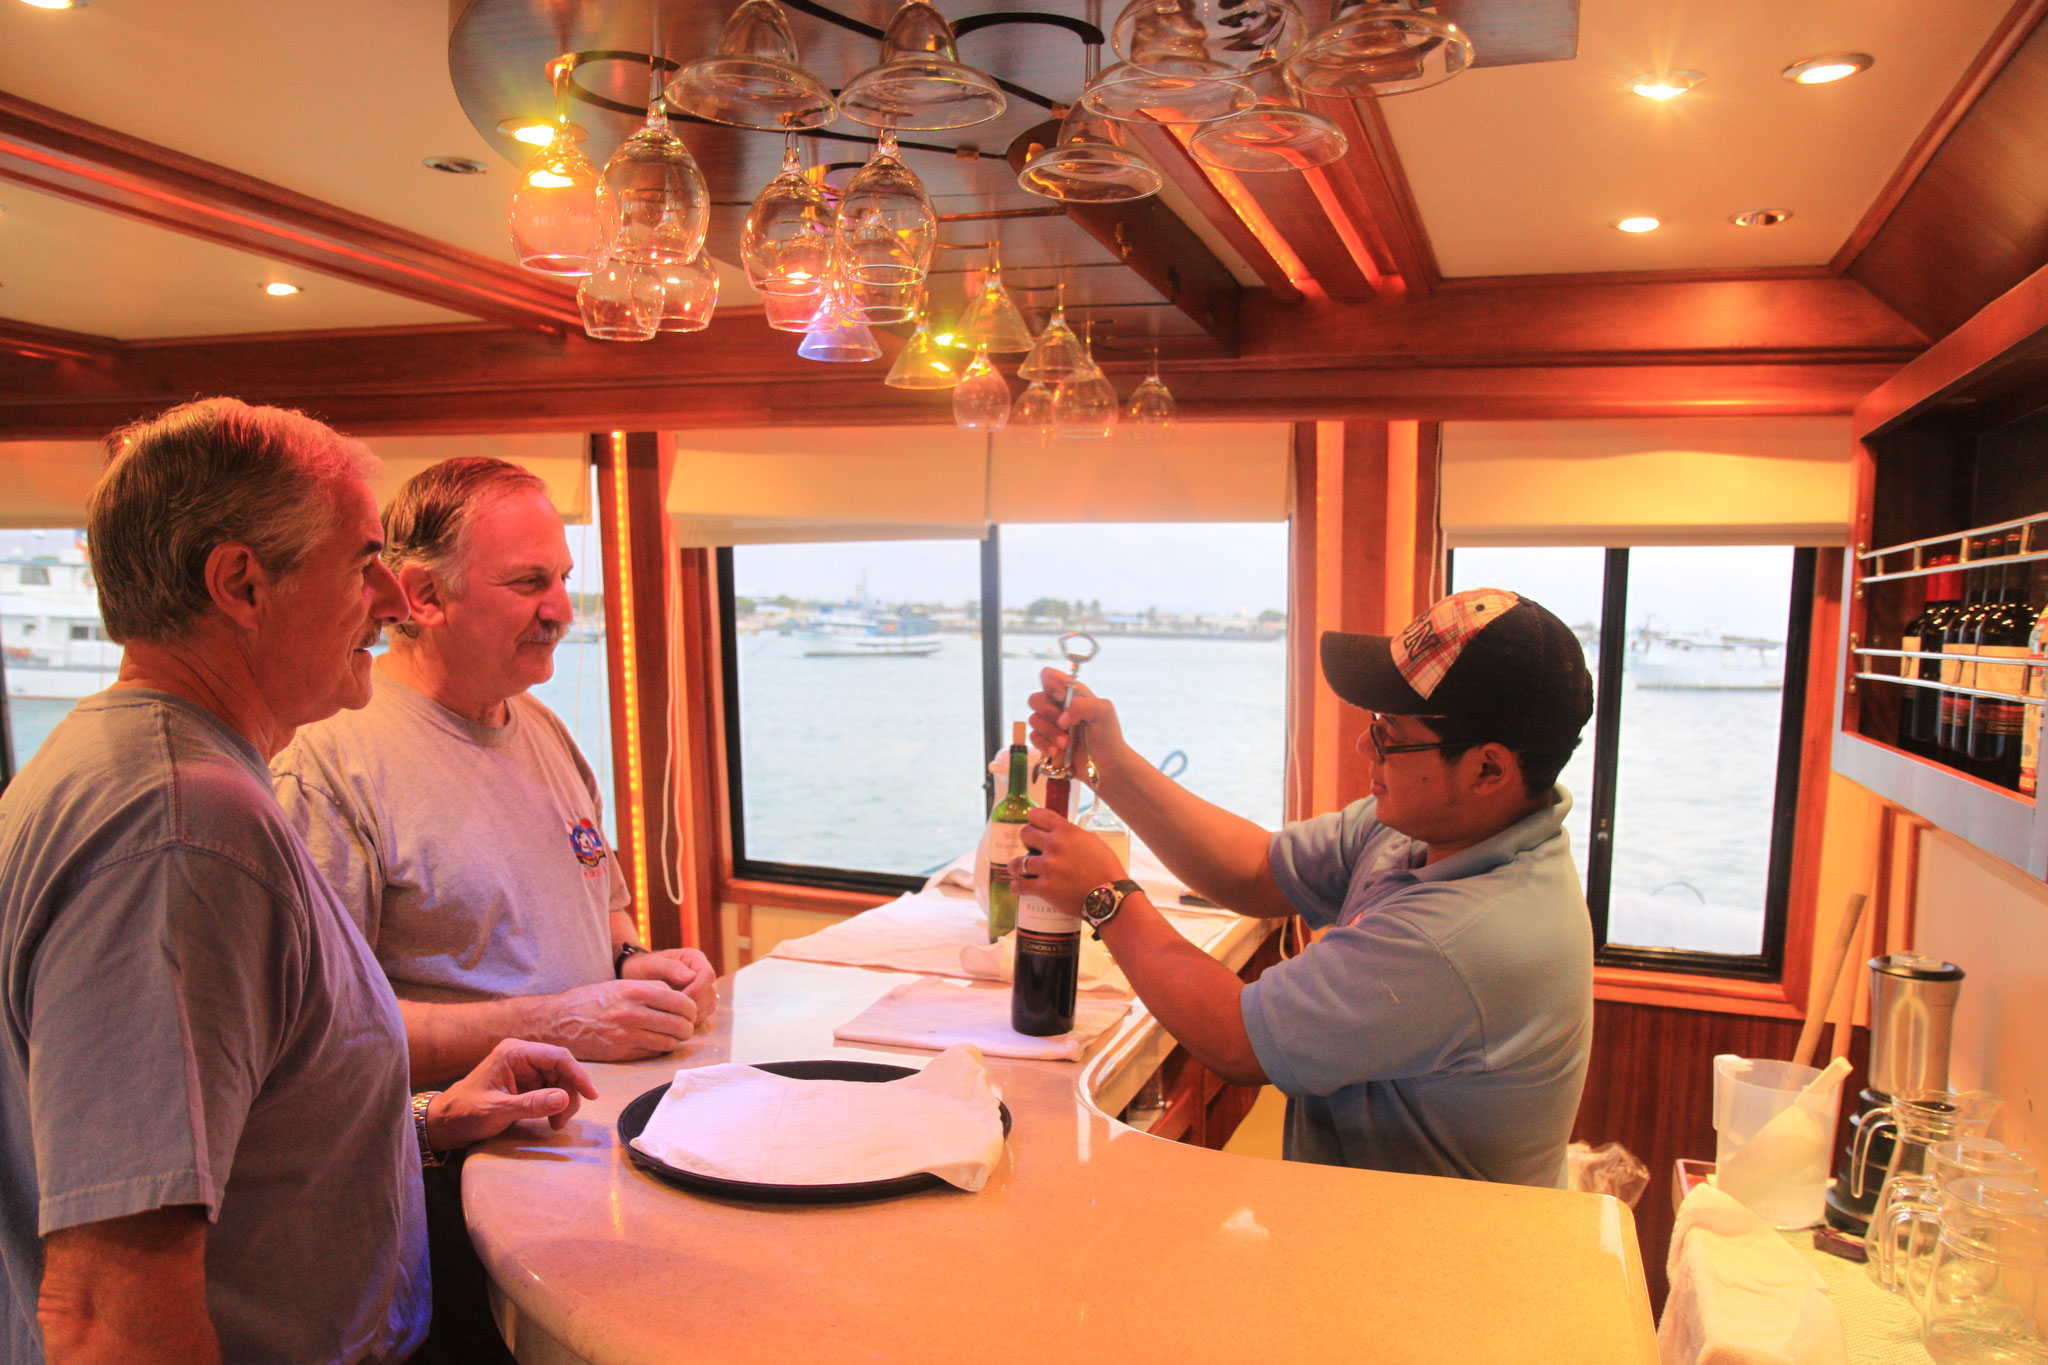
<point>1442,1025</point>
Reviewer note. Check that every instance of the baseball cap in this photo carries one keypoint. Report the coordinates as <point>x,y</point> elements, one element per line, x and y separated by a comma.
<point>1487,658</point>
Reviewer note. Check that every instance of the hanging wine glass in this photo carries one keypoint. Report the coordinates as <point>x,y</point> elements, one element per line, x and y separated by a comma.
<point>981,400</point>
<point>562,215</point>
<point>920,82</point>
<point>755,80</point>
<point>1276,134</point>
<point>689,294</point>
<point>923,363</point>
<point>1151,409</point>
<point>836,332</point>
<point>1085,408</point>
<point>1032,412</point>
<point>992,321</point>
<point>1172,89</point>
<point>1057,355</point>
<point>786,247</point>
<point>1237,35</point>
<point>1380,47</point>
<point>620,301</point>
<point>662,202</point>
<point>1089,164</point>
<point>886,226</point>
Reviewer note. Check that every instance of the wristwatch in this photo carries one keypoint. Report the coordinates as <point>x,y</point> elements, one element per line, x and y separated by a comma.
<point>1099,906</point>
<point>626,950</point>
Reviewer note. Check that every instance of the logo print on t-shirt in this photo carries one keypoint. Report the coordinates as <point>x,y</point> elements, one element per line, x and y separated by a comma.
<point>588,842</point>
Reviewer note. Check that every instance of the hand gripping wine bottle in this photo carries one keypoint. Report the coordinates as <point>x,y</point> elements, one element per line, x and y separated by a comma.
<point>1006,838</point>
<point>1048,970</point>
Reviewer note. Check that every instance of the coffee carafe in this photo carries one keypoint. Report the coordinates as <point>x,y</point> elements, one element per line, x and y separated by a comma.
<point>1912,1013</point>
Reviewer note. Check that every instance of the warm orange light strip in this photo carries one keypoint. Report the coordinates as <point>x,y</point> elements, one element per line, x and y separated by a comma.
<point>1354,245</point>
<point>621,570</point>
<point>1255,220</point>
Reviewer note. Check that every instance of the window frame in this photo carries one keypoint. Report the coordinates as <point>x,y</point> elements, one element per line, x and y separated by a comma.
<point>1767,966</point>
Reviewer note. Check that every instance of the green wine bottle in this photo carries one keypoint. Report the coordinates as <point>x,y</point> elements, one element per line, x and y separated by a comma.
<point>1006,838</point>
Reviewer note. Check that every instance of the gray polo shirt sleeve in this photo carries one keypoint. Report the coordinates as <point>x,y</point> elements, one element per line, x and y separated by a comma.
<point>1375,1000</point>
<point>154,1018</point>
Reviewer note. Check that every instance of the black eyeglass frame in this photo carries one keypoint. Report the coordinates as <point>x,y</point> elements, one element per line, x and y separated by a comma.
<point>1383,749</point>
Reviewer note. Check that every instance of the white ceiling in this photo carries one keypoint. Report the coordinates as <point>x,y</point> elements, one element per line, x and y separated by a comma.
<point>1516,169</point>
<point>1523,169</point>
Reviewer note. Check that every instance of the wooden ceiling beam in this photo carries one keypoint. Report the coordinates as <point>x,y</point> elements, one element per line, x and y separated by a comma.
<point>1529,350</point>
<point>51,151</point>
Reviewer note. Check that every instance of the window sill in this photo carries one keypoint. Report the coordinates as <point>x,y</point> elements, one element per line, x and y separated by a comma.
<point>792,896</point>
<point>1713,994</point>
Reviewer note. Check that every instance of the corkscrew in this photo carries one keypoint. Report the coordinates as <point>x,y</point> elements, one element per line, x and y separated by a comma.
<point>1058,772</point>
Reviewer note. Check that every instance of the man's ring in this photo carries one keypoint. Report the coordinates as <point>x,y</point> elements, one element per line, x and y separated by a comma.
<point>1027,865</point>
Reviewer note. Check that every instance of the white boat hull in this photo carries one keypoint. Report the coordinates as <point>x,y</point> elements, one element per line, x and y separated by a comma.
<point>56,684</point>
<point>1705,677</point>
<point>825,645</point>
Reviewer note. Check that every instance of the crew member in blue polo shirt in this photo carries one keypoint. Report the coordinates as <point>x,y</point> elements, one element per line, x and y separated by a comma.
<point>1442,1024</point>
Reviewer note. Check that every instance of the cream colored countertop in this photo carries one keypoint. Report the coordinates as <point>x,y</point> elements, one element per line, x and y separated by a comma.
<point>1091,1240</point>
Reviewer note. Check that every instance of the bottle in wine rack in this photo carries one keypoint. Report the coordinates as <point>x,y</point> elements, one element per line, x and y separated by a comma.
<point>2031,719</point>
<point>1006,838</point>
<point>1958,661</point>
<point>2001,651</point>
<point>1920,708</point>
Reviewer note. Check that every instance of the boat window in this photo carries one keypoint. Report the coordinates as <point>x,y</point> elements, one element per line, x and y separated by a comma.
<point>869,684</point>
<point>55,648</point>
<point>854,708</point>
<point>1684,786</point>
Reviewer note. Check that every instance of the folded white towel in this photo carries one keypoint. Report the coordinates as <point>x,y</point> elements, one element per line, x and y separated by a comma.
<point>1740,1295</point>
<point>922,933</point>
<point>734,1122</point>
<point>1100,976</point>
<point>933,1014</point>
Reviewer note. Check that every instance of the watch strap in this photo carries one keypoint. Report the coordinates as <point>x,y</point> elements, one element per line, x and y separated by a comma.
<point>420,1103</point>
<point>1119,889</point>
<point>626,950</point>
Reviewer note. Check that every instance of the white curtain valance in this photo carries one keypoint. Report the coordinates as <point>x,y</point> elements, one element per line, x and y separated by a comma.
<point>1674,481</point>
<point>818,484</point>
<point>45,482</point>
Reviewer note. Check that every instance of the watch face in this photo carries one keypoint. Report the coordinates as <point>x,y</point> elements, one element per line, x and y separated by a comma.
<point>1098,903</point>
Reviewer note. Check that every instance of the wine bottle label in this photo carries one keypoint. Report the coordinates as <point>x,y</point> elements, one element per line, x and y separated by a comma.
<point>1005,842</point>
<point>1910,668</point>
<point>2030,750</point>
<point>1996,676</point>
<point>1038,916</point>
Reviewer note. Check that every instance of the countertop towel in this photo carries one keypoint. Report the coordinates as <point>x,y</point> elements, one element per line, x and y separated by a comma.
<point>933,1014</point>
<point>1100,976</point>
<point>733,1122</point>
<point>1740,1296</point>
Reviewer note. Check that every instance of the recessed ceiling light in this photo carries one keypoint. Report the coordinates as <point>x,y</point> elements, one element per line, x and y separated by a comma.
<point>1834,66</point>
<point>454,165</point>
<point>1639,224</point>
<point>1761,217</point>
<point>532,131</point>
<point>55,4</point>
<point>1668,85</point>
<point>278,289</point>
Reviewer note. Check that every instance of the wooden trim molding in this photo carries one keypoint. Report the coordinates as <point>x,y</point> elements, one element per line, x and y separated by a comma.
<point>2013,30</point>
<point>55,153</point>
<point>54,343</point>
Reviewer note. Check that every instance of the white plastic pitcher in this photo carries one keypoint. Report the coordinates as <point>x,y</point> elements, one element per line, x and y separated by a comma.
<point>1773,1129</point>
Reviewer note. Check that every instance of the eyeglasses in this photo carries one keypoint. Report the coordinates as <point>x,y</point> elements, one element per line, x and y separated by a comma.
<point>1377,732</point>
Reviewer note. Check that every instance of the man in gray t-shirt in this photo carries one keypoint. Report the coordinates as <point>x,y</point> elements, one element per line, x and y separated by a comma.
<point>206,1149</point>
<point>1442,1024</point>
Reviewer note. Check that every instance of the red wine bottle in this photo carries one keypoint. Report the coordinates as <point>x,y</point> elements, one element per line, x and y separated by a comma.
<point>1958,662</point>
<point>1920,710</point>
<point>2001,652</point>
<point>1048,971</point>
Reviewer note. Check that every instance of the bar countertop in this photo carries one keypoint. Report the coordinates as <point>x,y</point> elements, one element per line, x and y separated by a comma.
<point>1090,1241</point>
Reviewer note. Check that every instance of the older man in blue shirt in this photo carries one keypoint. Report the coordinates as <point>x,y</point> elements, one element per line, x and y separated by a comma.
<point>1442,1024</point>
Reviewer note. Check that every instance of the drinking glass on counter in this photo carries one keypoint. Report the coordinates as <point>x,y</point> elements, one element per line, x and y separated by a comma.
<point>1989,1275</point>
<point>1919,1119</point>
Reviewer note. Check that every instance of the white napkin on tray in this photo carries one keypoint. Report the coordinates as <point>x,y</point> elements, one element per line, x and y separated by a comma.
<point>734,1122</point>
<point>933,1014</point>
<point>1740,1295</point>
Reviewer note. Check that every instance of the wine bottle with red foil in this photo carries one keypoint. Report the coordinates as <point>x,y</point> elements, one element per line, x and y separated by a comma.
<point>1048,971</point>
<point>2037,688</point>
<point>1920,710</point>
<point>1995,723</point>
